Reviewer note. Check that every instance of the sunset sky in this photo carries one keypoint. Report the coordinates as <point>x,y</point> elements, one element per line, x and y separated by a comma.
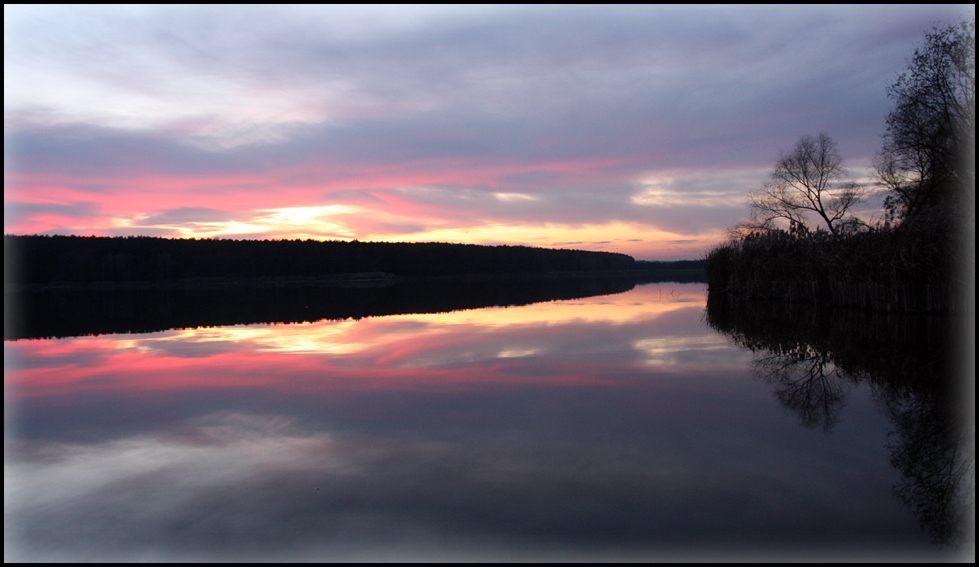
<point>635,129</point>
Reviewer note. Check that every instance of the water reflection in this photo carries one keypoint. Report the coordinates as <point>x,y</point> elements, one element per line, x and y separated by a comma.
<point>91,311</point>
<point>606,427</point>
<point>813,357</point>
<point>807,381</point>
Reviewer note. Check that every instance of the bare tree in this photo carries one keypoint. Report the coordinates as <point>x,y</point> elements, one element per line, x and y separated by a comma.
<point>807,181</point>
<point>928,155</point>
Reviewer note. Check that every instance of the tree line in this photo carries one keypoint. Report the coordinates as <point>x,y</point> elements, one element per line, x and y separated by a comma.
<point>66,260</point>
<point>803,241</point>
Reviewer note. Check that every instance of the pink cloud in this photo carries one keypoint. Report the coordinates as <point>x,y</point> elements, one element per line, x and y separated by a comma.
<point>397,201</point>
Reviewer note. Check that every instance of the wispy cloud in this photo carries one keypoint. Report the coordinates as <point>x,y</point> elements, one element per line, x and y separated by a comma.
<point>466,117</point>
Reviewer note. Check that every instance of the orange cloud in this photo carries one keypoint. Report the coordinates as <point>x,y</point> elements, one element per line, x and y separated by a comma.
<point>449,200</point>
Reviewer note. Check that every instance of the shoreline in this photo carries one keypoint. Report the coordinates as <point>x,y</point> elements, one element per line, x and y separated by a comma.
<point>355,279</point>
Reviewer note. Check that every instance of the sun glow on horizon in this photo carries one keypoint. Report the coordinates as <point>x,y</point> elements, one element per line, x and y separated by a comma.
<point>354,222</point>
<point>637,240</point>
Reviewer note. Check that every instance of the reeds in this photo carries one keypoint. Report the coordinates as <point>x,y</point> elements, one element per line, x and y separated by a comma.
<point>890,270</point>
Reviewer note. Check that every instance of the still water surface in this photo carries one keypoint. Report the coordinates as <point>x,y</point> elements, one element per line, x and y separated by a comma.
<point>610,427</point>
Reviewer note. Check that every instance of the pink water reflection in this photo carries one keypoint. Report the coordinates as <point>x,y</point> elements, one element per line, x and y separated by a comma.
<point>586,341</point>
<point>609,427</point>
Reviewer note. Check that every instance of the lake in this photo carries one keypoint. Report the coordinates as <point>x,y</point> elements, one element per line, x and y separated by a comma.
<point>620,426</point>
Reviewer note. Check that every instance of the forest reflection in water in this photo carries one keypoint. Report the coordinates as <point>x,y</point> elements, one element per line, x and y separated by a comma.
<point>67,312</point>
<point>813,356</point>
<point>607,426</point>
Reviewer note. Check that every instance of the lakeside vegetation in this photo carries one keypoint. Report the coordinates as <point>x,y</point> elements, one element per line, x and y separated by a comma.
<point>889,270</point>
<point>804,244</point>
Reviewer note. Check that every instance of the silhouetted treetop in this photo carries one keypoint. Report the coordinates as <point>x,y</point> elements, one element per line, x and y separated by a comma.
<point>928,156</point>
<point>808,181</point>
<point>45,260</point>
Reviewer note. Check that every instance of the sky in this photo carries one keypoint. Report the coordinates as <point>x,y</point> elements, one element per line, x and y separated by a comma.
<point>633,129</point>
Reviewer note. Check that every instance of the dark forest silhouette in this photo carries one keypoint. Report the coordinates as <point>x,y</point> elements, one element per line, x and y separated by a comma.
<point>55,313</point>
<point>38,261</point>
<point>59,286</point>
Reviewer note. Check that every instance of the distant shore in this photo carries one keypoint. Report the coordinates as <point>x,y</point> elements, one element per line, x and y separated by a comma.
<point>92,309</point>
<point>76,262</point>
<point>359,280</point>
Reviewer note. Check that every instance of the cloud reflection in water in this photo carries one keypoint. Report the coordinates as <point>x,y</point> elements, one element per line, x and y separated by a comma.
<point>615,426</point>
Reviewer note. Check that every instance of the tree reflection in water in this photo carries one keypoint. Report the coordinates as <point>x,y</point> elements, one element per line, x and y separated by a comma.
<point>935,458</point>
<point>814,356</point>
<point>807,382</point>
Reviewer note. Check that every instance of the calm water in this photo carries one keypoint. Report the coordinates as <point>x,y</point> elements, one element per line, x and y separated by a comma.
<point>612,427</point>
